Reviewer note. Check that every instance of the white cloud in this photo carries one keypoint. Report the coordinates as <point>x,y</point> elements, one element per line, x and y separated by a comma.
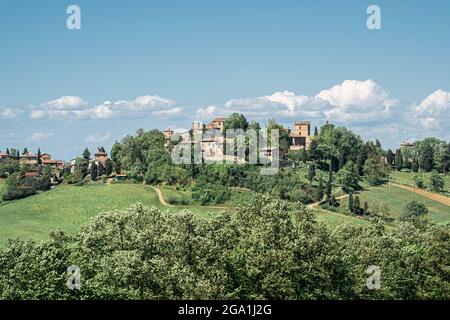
<point>75,108</point>
<point>357,101</point>
<point>8,113</point>
<point>97,138</point>
<point>39,136</point>
<point>65,103</point>
<point>351,101</point>
<point>434,111</point>
<point>207,112</point>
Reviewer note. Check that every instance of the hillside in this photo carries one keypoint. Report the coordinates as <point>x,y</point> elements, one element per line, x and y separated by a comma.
<point>67,207</point>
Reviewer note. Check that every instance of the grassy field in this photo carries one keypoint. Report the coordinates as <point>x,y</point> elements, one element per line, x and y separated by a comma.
<point>67,207</point>
<point>406,177</point>
<point>392,202</point>
<point>332,220</point>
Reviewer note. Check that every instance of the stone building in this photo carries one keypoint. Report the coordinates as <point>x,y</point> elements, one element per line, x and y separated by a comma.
<point>300,136</point>
<point>28,159</point>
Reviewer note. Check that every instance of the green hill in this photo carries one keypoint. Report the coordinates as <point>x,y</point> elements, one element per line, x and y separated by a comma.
<point>67,207</point>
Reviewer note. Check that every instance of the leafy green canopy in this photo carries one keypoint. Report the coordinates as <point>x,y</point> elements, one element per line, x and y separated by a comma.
<point>271,250</point>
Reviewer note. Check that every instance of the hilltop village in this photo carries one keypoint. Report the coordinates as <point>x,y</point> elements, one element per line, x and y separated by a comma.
<point>146,157</point>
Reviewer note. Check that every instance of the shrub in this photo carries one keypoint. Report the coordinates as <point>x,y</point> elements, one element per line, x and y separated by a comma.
<point>210,193</point>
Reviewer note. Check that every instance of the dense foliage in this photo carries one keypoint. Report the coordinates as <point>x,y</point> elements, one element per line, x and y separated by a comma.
<point>271,250</point>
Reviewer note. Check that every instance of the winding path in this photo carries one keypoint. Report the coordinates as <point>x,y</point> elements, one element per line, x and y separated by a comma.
<point>427,194</point>
<point>161,197</point>
<point>164,202</point>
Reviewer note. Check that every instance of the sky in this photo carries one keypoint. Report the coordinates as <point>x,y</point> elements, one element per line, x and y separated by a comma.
<point>160,64</point>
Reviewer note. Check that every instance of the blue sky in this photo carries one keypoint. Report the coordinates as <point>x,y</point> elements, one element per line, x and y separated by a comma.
<point>65,89</point>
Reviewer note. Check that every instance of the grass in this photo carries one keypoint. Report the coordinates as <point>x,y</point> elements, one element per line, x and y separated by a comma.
<point>66,207</point>
<point>332,220</point>
<point>391,203</point>
<point>406,177</point>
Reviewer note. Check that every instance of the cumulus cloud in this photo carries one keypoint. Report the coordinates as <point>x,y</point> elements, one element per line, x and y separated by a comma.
<point>351,101</point>
<point>8,113</point>
<point>357,101</point>
<point>97,138</point>
<point>75,108</point>
<point>434,111</point>
<point>39,136</point>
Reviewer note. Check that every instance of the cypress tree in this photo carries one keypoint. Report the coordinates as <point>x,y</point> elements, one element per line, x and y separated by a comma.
<point>94,171</point>
<point>39,156</point>
<point>357,205</point>
<point>350,202</point>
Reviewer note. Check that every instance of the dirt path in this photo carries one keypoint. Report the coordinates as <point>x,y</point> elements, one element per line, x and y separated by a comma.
<point>164,202</point>
<point>427,194</point>
<point>315,204</point>
<point>161,197</point>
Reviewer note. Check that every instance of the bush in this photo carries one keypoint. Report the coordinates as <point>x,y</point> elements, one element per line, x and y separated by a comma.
<point>437,182</point>
<point>414,210</point>
<point>177,201</point>
<point>210,193</point>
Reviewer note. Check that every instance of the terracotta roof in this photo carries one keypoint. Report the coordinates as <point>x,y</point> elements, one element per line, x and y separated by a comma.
<point>219,119</point>
<point>49,161</point>
<point>28,155</point>
<point>31,174</point>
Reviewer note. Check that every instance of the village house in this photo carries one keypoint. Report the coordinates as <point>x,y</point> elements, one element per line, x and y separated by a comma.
<point>300,136</point>
<point>217,123</point>
<point>168,133</point>
<point>101,156</point>
<point>3,156</point>
<point>47,160</point>
<point>28,159</point>
<point>212,142</point>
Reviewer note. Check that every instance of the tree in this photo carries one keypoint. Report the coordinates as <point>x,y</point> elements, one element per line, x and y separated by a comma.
<point>427,155</point>
<point>398,160</point>
<point>108,167</point>
<point>86,154</point>
<point>415,166</point>
<point>366,208</point>
<point>93,171</point>
<point>39,156</point>
<point>390,157</point>
<point>316,132</point>
<point>418,179</point>
<point>414,210</point>
<point>101,169</point>
<point>321,187</point>
<point>117,167</point>
<point>328,190</point>
<point>81,166</point>
<point>311,172</point>
<point>313,152</point>
<point>357,205</point>
<point>437,182</point>
<point>350,202</point>
<point>375,171</point>
<point>235,121</point>
<point>348,177</point>
<point>25,151</point>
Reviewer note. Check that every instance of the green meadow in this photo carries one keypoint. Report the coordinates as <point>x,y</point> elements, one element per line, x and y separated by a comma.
<point>390,201</point>
<point>67,207</point>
